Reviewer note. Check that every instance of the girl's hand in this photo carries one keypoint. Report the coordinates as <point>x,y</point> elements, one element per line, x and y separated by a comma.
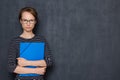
<point>22,62</point>
<point>40,70</point>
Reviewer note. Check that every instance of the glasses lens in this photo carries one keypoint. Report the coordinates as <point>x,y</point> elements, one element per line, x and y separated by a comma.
<point>30,21</point>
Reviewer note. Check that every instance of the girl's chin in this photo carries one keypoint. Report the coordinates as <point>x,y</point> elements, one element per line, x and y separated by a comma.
<point>28,30</point>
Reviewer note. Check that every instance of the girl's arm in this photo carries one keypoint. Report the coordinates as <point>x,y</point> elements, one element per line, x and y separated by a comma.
<point>24,62</point>
<point>24,70</point>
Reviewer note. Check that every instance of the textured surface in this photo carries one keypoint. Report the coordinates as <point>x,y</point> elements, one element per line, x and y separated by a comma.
<point>84,36</point>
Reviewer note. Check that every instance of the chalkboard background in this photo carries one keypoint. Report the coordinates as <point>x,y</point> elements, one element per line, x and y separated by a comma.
<point>84,36</point>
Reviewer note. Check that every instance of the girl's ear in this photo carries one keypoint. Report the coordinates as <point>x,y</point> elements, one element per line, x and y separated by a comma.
<point>35,21</point>
<point>20,21</point>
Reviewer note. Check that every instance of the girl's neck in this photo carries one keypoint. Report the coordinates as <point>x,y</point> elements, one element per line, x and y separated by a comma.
<point>27,35</point>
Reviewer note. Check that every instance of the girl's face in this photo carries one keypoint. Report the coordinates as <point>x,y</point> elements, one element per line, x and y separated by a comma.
<point>27,21</point>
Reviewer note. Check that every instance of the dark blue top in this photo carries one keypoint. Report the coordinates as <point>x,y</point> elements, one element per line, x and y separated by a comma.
<point>14,53</point>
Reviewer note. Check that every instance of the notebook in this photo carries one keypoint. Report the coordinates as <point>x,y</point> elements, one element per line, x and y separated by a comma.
<point>32,51</point>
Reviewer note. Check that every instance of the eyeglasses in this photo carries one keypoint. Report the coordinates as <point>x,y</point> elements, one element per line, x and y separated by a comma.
<point>31,21</point>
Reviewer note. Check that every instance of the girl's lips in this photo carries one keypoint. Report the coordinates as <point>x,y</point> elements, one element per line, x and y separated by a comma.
<point>28,27</point>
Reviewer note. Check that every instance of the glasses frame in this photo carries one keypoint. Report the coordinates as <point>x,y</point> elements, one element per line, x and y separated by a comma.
<point>31,21</point>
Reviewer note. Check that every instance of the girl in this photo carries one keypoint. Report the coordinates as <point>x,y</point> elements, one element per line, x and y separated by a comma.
<point>28,19</point>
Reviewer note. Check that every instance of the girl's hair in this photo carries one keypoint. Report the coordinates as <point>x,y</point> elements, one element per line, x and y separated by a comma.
<point>30,10</point>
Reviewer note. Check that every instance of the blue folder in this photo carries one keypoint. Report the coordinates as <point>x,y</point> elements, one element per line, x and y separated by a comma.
<point>32,51</point>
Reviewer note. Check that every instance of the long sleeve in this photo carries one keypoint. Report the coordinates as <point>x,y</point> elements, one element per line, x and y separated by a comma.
<point>12,57</point>
<point>48,56</point>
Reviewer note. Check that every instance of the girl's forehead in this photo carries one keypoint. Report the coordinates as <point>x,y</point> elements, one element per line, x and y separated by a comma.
<point>27,15</point>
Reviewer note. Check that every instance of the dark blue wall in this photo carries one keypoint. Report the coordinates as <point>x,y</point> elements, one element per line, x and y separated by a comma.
<point>84,36</point>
